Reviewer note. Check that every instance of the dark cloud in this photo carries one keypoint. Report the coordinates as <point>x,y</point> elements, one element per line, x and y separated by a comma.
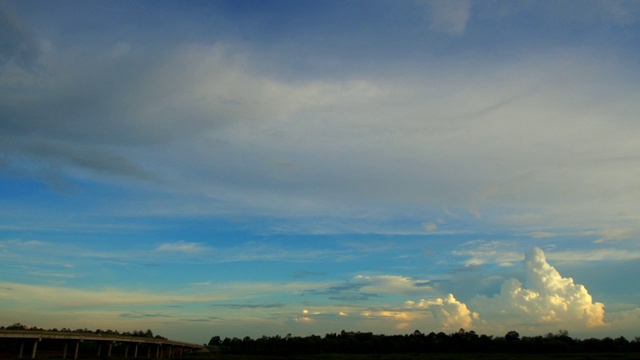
<point>102,162</point>
<point>17,43</point>
<point>50,161</point>
<point>106,103</point>
<point>93,115</point>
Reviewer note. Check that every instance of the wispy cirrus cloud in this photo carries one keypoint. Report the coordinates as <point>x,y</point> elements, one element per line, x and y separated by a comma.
<point>600,254</point>
<point>248,306</point>
<point>449,16</point>
<point>345,291</point>
<point>184,247</point>
<point>393,284</point>
<point>19,244</point>
<point>479,252</point>
<point>541,234</point>
<point>144,315</point>
<point>612,234</point>
<point>53,298</point>
<point>363,288</point>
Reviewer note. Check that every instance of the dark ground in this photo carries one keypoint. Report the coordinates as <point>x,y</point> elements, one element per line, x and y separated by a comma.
<point>576,356</point>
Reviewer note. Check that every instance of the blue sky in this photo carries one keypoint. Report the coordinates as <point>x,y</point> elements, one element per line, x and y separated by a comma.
<point>239,168</point>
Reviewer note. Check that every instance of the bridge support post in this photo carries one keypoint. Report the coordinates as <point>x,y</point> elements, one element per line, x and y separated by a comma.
<point>109,350</point>
<point>99,349</point>
<point>75,353</point>
<point>135,351</point>
<point>126,351</point>
<point>158,351</point>
<point>64,351</point>
<point>21,350</point>
<point>148,351</point>
<point>34,349</point>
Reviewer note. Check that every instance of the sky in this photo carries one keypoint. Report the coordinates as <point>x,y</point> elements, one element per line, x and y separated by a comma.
<point>249,168</point>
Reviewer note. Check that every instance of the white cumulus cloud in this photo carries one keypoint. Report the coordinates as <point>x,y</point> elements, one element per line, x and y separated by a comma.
<point>545,301</point>
<point>450,313</point>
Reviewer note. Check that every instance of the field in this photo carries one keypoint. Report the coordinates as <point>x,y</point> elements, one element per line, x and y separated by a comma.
<point>576,356</point>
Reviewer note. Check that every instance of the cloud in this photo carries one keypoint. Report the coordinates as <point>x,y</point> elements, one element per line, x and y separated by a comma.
<point>612,234</point>
<point>608,254</point>
<point>451,214</point>
<point>301,274</point>
<point>249,306</point>
<point>50,274</point>
<point>65,297</point>
<point>17,42</point>
<point>21,245</point>
<point>366,287</point>
<point>621,13</point>
<point>430,227</point>
<point>481,252</point>
<point>625,321</point>
<point>541,234</point>
<point>347,291</point>
<point>392,284</point>
<point>144,315</point>
<point>450,313</point>
<point>449,16</point>
<point>545,301</point>
<point>183,247</point>
<point>208,126</point>
<point>53,157</point>
<point>71,304</point>
<point>446,313</point>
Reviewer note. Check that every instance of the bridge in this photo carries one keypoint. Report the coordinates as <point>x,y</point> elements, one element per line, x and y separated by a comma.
<point>100,344</point>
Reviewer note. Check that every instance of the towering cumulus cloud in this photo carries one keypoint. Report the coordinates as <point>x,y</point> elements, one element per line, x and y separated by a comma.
<point>547,301</point>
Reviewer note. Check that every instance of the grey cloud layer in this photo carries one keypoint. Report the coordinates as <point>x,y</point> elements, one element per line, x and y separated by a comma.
<point>542,134</point>
<point>18,44</point>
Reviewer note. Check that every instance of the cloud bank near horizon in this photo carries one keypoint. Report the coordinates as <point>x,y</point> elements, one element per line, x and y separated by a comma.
<point>545,302</point>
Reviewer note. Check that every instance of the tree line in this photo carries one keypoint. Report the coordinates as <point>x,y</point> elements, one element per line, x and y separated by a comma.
<point>347,342</point>
<point>135,333</point>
